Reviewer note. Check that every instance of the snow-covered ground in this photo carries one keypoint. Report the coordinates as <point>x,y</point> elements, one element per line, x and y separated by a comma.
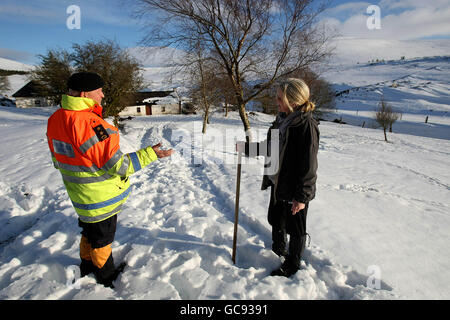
<point>381,213</point>
<point>353,50</point>
<point>379,225</point>
<point>418,88</point>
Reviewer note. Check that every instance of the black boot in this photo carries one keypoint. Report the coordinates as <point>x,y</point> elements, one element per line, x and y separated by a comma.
<point>107,275</point>
<point>280,251</point>
<point>297,248</point>
<point>287,269</point>
<point>279,239</point>
<point>86,267</point>
<point>292,263</point>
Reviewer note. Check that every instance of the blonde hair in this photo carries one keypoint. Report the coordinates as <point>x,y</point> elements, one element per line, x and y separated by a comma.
<point>295,92</point>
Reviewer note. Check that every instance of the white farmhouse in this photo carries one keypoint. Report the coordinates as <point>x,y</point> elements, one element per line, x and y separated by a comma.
<point>28,96</point>
<point>153,103</point>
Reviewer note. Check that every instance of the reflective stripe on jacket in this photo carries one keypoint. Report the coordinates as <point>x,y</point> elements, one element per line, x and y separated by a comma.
<point>86,150</point>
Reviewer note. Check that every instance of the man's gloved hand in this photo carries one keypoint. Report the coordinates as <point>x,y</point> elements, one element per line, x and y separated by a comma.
<point>162,153</point>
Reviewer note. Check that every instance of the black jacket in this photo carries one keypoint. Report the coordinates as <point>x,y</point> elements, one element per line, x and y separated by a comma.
<point>297,175</point>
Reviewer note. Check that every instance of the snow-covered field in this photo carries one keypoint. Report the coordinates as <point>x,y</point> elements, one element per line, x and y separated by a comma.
<point>418,88</point>
<point>379,225</point>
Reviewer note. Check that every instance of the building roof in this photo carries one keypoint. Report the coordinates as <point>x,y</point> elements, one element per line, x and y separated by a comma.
<point>30,90</point>
<point>140,96</point>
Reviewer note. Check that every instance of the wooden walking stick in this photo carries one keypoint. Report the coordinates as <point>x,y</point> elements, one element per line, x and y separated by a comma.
<point>236,208</point>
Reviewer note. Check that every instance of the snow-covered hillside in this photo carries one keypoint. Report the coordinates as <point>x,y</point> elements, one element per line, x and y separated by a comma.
<point>352,50</point>
<point>160,66</point>
<point>381,211</point>
<point>417,88</point>
<point>377,213</point>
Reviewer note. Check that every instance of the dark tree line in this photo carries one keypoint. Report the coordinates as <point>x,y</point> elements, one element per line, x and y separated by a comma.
<point>121,73</point>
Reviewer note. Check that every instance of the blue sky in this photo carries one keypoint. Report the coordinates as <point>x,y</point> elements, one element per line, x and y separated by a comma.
<point>30,27</point>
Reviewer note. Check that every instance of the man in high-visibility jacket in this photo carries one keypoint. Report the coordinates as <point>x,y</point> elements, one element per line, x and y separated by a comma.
<point>85,148</point>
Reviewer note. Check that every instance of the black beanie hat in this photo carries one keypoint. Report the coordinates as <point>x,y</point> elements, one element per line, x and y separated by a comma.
<point>85,81</point>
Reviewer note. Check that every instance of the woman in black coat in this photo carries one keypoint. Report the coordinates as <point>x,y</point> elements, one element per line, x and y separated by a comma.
<point>293,181</point>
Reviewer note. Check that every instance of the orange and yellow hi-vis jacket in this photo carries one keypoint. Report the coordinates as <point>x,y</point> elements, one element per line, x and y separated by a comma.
<point>85,149</point>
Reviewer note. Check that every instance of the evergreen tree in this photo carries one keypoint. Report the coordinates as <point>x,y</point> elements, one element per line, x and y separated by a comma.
<point>121,73</point>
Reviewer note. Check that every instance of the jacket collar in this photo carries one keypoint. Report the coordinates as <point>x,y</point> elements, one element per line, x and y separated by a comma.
<point>300,117</point>
<point>79,104</point>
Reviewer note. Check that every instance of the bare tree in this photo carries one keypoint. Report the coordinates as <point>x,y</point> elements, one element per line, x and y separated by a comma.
<point>266,100</point>
<point>226,94</point>
<point>4,84</point>
<point>121,73</point>
<point>255,41</point>
<point>204,90</point>
<point>321,91</point>
<point>386,116</point>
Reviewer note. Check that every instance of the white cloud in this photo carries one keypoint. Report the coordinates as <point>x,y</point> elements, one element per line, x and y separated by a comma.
<point>412,4</point>
<point>55,12</point>
<point>412,19</point>
<point>34,12</point>
<point>349,8</point>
